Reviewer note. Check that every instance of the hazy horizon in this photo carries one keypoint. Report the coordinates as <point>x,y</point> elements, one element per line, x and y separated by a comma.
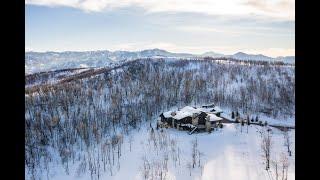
<point>152,49</point>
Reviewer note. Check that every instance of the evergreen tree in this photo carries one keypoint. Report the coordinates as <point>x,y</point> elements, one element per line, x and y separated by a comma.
<point>220,125</point>
<point>232,115</point>
<point>242,124</point>
<point>260,123</point>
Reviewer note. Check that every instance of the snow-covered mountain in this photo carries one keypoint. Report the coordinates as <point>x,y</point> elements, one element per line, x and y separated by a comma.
<point>261,57</point>
<point>212,54</point>
<point>162,53</point>
<point>244,56</point>
<point>46,61</point>
<point>286,59</point>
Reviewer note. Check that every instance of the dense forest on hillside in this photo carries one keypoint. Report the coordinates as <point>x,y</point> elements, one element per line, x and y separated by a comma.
<point>86,120</point>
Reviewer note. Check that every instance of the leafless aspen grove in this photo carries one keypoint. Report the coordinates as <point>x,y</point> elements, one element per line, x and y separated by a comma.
<point>86,120</point>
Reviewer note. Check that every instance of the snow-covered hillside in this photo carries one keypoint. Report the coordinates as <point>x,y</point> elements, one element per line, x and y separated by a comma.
<point>81,128</point>
<point>261,57</point>
<point>48,61</point>
<point>225,154</point>
<point>244,56</point>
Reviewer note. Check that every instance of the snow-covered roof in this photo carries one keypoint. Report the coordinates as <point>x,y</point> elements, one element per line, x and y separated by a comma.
<point>191,109</point>
<point>213,117</point>
<point>167,114</point>
<point>187,125</point>
<point>188,111</point>
<point>178,114</point>
<point>182,114</point>
<point>205,109</point>
<point>217,109</point>
<point>208,105</point>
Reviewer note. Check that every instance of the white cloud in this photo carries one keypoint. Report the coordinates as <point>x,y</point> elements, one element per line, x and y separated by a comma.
<point>283,9</point>
<point>145,45</point>
<point>279,8</point>
<point>206,29</point>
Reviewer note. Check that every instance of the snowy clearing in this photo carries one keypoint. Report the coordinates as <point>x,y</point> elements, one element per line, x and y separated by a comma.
<point>226,154</point>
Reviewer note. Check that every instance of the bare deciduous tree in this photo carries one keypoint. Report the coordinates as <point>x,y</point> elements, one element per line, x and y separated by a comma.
<point>287,141</point>
<point>266,145</point>
<point>189,166</point>
<point>275,165</point>
<point>285,166</point>
<point>194,152</point>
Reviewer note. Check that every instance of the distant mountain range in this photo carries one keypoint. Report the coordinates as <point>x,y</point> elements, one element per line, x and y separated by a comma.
<point>45,61</point>
<point>254,57</point>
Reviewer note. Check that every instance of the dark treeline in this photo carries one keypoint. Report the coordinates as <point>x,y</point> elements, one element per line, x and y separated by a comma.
<point>43,77</point>
<point>85,121</point>
<point>250,62</point>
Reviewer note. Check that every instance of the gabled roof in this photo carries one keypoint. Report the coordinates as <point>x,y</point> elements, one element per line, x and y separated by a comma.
<point>182,114</point>
<point>191,109</point>
<point>208,105</point>
<point>213,117</point>
<point>217,109</point>
<point>205,109</point>
<point>167,114</point>
<point>188,111</point>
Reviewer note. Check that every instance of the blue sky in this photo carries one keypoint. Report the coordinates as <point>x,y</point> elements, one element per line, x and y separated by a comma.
<point>254,26</point>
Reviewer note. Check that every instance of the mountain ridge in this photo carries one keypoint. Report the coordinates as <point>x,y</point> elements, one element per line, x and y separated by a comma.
<point>51,60</point>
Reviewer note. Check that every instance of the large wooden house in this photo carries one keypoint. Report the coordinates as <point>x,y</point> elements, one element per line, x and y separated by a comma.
<point>193,118</point>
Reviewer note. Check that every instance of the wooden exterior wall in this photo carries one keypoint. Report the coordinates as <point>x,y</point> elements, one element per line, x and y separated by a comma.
<point>202,118</point>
